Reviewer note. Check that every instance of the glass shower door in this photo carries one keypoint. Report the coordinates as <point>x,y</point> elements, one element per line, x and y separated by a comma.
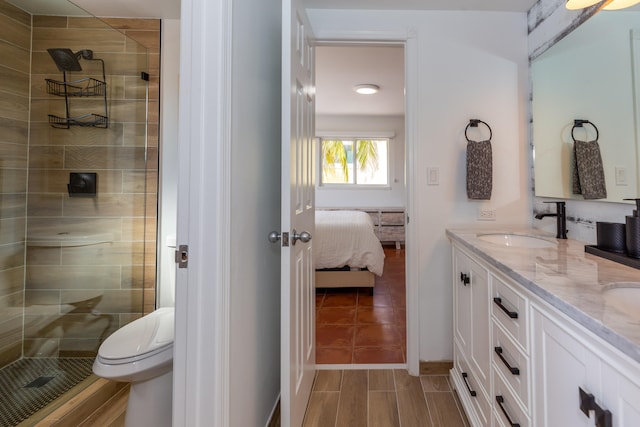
<point>76,263</point>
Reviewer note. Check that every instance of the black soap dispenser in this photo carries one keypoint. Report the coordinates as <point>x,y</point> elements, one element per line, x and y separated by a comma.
<point>633,231</point>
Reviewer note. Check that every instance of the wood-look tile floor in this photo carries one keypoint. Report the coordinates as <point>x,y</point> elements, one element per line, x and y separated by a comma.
<point>353,326</point>
<point>382,398</point>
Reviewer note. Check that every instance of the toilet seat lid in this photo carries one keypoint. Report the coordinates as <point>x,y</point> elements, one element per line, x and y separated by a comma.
<point>143,337</point>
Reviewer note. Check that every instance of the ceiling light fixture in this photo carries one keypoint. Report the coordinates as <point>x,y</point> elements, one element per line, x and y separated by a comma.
<point>611,5</point>
<point>580,4</point>
<point>367,89</point>
<point>621,4</point>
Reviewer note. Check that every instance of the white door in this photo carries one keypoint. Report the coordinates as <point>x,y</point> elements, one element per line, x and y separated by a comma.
<point>298,204</point>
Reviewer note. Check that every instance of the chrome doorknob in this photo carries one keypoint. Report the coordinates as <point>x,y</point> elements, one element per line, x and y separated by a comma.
<point>274,237</point>
<point>304,237</point>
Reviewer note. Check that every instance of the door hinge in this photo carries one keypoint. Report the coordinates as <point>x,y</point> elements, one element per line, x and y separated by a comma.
<point>182,256</point>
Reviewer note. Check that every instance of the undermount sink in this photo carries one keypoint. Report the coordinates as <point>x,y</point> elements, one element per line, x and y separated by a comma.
<point>516,240</point>
<point>624,297</point>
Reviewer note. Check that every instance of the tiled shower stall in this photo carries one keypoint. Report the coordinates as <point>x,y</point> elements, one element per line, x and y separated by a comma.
<point>75,269</point>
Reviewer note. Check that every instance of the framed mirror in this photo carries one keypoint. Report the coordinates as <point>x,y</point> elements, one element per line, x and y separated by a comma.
<point>591,74</point>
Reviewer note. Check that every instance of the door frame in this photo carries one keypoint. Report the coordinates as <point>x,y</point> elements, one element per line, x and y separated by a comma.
<point>201,359</point>
<point>408,39</point>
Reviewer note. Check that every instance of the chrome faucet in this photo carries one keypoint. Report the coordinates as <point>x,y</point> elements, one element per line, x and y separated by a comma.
<point>561,219</point>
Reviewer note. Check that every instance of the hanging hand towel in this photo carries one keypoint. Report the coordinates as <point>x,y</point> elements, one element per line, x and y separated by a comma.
<point>589,170</point>
<point>479,170</point>
<point>575,179</point>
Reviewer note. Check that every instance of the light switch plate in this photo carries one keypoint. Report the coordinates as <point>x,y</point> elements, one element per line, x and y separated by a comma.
<point>621,175</point>
<point>433,176</point>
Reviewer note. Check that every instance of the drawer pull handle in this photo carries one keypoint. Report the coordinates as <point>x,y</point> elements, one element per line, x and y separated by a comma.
<point>603,417</point>
<point>588,404</point>
<point>514,370</point>
<point>587,401</point>
<point>465,279</point>
<point>465,377</point>
<point>511,314</point>
<point>500,401</point>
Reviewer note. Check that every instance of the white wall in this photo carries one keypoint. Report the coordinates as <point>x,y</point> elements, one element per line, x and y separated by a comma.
<point>469,65</point>
<point>393,196</point>
<point>254,346</point>
<point>548,22</point>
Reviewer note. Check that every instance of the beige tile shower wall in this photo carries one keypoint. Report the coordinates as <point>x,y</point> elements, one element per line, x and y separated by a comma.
<point>78,295</point>
<point>15,40</point>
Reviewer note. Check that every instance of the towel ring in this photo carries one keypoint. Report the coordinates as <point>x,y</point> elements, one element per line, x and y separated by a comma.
<point>578,123</point>
<point>473,123</point>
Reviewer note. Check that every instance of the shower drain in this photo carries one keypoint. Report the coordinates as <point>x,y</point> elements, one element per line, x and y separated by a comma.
<point>39,382</point>
<point>28,385</point>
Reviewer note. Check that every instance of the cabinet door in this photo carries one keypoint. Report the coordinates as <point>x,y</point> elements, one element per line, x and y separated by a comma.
<point>474,401</point>
<point>462,302</point>
<point>561,367</point>
<point>471,294</point>
<point>621,395</point>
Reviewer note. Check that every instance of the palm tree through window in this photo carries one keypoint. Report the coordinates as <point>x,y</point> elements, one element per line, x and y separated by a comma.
<point>355,162</point>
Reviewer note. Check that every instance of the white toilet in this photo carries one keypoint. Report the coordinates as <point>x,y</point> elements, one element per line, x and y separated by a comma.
<point>141,353</point>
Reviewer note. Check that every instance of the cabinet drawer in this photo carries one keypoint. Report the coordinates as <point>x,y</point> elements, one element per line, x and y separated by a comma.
<point>391,233</point>
<point>512,364</point>
<point>469,389</point>
<point>507,410</point>
<point>375,217</point>
<point>509,309</point>
<point>392,218</point>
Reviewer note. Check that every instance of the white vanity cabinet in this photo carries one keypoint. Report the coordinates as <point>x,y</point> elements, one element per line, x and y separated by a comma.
<point>621,394</point>
<point>471,330</point>
<point>519,361</point>
<point>576,373</point>
<point>563,366</point>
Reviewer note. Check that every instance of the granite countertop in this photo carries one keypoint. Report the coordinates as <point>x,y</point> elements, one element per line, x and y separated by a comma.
<point>567,278</point>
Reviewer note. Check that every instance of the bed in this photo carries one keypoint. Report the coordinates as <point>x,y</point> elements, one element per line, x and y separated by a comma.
<point>347,251</point>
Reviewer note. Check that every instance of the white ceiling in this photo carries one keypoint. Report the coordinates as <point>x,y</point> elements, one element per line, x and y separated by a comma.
<point>340,68</point>
<point>49,7</point>
<point>171,8</point>
<point>498,5</point>
<point>168,9</point>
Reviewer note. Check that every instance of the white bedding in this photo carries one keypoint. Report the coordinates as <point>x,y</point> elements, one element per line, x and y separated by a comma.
<point>346,238</point>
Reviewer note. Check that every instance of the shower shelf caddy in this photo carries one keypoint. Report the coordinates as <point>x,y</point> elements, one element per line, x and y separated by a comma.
<point>80,88</point>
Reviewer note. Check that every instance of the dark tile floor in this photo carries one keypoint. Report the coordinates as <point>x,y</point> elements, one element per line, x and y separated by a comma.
<point>355,327</point>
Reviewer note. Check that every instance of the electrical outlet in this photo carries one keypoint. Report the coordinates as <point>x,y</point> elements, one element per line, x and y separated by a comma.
<point>486,214</point>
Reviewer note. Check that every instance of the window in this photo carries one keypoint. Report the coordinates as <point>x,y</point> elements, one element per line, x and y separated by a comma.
<point>354,161</point>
